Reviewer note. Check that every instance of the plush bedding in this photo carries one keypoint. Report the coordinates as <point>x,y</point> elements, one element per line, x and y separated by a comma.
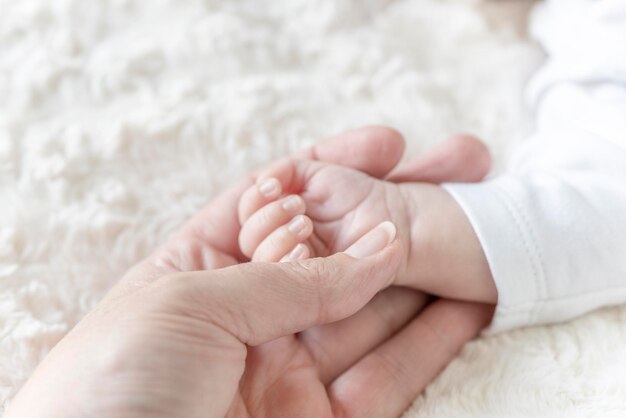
<point>120,118</point>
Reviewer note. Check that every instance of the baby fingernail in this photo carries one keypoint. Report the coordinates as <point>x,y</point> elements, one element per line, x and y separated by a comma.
<point>297,225</point>
<point>269,187</point>
<point>298,253</point>
<point>374,241</point>
<point>292,203</point>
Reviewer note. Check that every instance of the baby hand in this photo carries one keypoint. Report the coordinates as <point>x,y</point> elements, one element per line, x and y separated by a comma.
<point>301,208</point>
<point>304,208</point>
<point>274,227</point>
<point>266,237</point>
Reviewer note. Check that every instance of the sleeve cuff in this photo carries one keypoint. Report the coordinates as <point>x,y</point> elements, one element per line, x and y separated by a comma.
<point>510,247</point>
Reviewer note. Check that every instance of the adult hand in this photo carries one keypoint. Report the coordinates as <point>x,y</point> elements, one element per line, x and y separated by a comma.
<point>166,344</point>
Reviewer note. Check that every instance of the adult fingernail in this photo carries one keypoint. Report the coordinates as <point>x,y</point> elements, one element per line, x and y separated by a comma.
<point>292,203</point>
<point>269,187</point>
<point>374,241</point>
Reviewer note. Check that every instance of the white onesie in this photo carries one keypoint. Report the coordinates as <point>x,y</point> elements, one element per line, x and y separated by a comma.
<point>554,226</point>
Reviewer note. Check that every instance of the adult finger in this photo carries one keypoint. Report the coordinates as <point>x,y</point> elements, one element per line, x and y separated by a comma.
<point>461,158</point>
<point>258,302</point>
<point>375,150</point>
<point>386,381</point>
<point>337,346</point>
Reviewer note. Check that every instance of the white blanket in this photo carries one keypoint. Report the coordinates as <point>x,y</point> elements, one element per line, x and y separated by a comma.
<point>120,118</point>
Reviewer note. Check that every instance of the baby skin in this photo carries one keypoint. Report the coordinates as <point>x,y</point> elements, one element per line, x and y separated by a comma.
<point>302,208</point>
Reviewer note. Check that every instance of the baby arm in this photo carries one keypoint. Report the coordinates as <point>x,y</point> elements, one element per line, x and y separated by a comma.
<point>442,253</point>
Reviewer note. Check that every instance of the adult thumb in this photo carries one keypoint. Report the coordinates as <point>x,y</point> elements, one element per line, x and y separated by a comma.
<point>259,302</point>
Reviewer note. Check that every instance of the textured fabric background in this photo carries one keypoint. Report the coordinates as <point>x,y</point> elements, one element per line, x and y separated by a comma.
<point>120,118</point>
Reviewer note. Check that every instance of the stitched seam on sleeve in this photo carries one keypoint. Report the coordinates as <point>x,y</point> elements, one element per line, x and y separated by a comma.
<point>520,223</point>
<point>520,307</point>
<point>533,238</point>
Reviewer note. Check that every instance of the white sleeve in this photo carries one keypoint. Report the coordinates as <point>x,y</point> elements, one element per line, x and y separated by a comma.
<point>553,227</point>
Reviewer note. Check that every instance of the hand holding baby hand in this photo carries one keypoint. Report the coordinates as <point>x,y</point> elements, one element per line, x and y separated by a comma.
<point>300,208</point>
<point>171,341</point>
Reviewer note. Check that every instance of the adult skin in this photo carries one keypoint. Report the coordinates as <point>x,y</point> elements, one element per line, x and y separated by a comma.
<point>190,333</point>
